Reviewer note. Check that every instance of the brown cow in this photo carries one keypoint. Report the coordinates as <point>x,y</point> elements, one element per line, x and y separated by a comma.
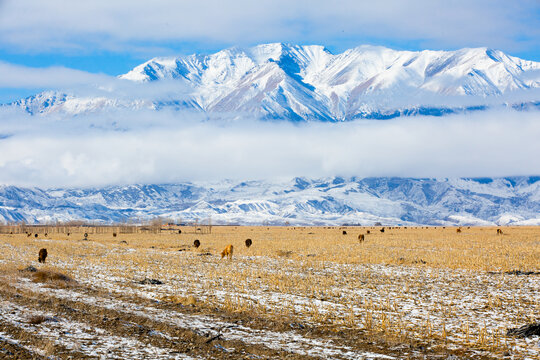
<point>361,237</point>
<point>228,252</point>
<point>458,230</point>
<point>248,242</point>
<point>499,232</point>
<point>196,243</point>
<point>42,255</point>
<point>344,232</point>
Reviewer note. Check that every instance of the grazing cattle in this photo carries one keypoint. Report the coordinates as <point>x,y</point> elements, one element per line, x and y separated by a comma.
<point>368,232</point>
<point>458,230</point>
<point>36,235</point>
<point>499,232</point>
<point>196,243</point>
<point>344,232</point>
<point>113,234</point>
<point>248,242</point>
<point>361,237</point>
<point>382,230</point>
<point>228,252</point>
<point>42,255</point>
<point>179,231</point>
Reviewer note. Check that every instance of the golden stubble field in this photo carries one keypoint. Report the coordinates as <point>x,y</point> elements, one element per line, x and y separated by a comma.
<point>297,292</point>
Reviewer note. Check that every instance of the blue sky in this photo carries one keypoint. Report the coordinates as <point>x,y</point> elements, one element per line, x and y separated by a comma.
<point>111,37</point>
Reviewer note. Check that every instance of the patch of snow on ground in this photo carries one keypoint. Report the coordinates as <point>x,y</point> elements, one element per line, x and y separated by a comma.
<point>91,341</point>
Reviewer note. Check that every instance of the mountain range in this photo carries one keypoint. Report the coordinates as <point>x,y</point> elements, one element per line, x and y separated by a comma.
<point>300,201</point>
<point>309,83</point>
<point>298,83</point>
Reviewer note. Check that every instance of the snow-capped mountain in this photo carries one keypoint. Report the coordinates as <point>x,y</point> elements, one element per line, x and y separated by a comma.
<point>310,83</point>
<point>301,201</point>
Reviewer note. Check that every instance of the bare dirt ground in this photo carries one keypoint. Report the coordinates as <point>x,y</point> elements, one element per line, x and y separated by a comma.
<point>296,293</point>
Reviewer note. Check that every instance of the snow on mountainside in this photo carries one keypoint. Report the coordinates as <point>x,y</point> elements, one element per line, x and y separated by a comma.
<point>301,201</point>
<point>54,101</point>
<point>310,83</point>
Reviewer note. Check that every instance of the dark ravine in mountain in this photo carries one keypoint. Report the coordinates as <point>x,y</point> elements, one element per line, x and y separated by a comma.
<point>332,201</point>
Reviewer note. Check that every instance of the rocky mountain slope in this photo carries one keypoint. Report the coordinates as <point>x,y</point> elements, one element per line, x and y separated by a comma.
<point>301,201</point>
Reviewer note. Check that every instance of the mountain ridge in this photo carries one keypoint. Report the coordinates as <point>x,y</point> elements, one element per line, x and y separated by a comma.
<point>300,201</point>
<point>309,83</point>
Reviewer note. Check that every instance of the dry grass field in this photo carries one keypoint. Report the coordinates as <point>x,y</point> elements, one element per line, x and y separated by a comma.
<point>295,293</point>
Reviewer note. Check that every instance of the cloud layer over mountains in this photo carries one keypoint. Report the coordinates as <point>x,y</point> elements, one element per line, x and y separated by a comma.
<point>125,146</point>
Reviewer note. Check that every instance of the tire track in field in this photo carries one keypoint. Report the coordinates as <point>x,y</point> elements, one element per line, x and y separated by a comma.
<point>289,341</point>
<point>10,347</point>
<point>35,345</point>
<point>358,343</point>
<point>80,337</point>
<point>144,329</point>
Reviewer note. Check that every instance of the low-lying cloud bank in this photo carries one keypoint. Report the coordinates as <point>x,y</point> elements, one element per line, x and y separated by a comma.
<point>125,147</point>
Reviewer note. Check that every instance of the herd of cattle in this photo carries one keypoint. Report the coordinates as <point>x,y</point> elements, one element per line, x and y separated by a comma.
<point>228,251</point>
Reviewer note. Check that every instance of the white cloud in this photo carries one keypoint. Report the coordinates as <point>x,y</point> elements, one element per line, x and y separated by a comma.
<point>121,25</point>
<point>18,76</point>
<point>149,147</point>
